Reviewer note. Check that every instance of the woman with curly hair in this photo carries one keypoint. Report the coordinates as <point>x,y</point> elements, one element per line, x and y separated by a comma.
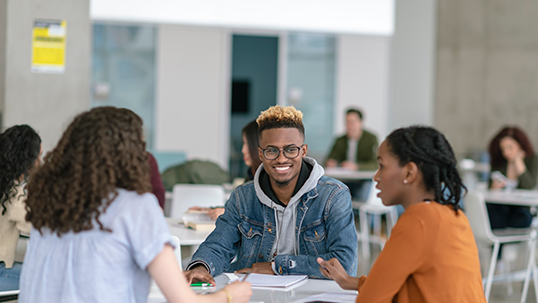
<point>98,233</point>
<point>20,151</point>
<point>512,155</point>
<point>431,255</point>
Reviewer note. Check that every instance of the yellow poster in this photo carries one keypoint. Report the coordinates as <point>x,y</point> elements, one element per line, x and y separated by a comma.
<point>48,46</point>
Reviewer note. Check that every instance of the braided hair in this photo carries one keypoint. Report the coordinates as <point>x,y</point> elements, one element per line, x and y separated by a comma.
<point>434,157</point>
<point>19,149</point>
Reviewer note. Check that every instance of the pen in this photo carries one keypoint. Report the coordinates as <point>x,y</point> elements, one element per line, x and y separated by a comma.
<point>200,284</point>
<point>245,277</point>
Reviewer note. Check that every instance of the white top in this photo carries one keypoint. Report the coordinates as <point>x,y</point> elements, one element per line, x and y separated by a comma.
<point>95,265</point>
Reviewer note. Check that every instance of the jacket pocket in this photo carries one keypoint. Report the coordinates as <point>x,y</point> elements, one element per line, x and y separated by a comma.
<point>251,239</point>
<point>315,239</point>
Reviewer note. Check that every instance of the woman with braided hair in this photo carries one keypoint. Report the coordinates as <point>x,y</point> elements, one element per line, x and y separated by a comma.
<point>431,255</point>
<point>98,233</point>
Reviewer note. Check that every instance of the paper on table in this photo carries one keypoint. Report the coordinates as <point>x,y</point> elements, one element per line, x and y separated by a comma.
<point>333,297</point>
<point>260,280</point>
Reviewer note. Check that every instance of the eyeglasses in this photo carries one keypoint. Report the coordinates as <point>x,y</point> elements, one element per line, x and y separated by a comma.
<point>290,152</point>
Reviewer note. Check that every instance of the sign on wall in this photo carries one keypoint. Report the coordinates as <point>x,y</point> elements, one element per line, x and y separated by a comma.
<point>48,46</point>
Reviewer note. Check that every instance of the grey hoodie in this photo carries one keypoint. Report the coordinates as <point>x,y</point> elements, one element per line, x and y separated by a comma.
<point>286,241</point>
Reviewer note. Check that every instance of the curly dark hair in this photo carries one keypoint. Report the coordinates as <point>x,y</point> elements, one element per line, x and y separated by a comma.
<point>250,131</point>
<point>20,146</point>
<point>431,152</point>
<point>497,159</point>
<point>100,151</point>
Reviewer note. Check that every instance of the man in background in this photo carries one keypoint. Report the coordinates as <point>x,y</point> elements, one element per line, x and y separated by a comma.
<point>355,150</point>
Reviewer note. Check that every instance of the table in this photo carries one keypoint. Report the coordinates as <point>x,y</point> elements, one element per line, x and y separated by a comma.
<point>186,235</point>
<point>514,197</point>
<point>346,174</point>
<point>311,287</point>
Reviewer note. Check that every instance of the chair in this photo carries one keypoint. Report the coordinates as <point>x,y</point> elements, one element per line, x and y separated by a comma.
<point>188,195</point>
<point>374,206</point>
<point>477,214</point>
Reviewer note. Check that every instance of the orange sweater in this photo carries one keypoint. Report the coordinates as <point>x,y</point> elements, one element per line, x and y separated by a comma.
<point>431,256</point>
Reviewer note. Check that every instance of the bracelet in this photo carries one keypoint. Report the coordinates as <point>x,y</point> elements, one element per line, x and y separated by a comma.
<point>228,294</point>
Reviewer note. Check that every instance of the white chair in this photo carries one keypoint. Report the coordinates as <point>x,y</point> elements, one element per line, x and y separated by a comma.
<point>476,211</point>
<point>185,196</point>
<point>374,206</point>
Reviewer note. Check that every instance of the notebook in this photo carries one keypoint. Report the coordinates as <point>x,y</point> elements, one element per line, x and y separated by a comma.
<point>198,220</point>
<point>260,280</point>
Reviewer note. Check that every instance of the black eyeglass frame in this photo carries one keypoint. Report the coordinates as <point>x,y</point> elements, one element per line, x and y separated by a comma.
<point>282,149</point>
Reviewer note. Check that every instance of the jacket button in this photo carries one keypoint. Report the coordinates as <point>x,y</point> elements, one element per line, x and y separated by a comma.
<point>260,256</point>
<point>269,230</point>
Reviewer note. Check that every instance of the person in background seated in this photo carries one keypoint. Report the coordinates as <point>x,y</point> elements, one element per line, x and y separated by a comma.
<point>155,178</point>
<point>251,158</point>
<point>287,216</point>
<point>431,255</point>
<point>86,205</point>
<point>512,155</point>
<point>20,154</point>
<point>357,148</point>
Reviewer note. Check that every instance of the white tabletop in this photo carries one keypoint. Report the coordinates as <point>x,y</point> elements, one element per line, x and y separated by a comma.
<point>311,287</point>
<point>186,235</point>
<point>514,197</point>
<point>346,174</point>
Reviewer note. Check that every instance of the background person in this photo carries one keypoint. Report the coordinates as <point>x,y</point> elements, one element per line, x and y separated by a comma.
<point>431,255</point>
<point>251,158</point>
<point>20,154</point>
<point>86,204</point>
<point>511,154</point>
<point>357,148</point>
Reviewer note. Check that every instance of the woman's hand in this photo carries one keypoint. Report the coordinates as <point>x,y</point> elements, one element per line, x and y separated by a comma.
<point>332,269</point>
<point>497,184</point>
<point>240,291</point>
<point>214,213</point>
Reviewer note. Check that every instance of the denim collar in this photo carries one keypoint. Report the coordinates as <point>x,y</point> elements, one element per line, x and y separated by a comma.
<point>265,183</point>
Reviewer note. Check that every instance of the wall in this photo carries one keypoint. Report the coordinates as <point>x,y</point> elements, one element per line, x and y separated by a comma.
<point>487,70</point>
<point>413,59</point>
<point>362,81</point>
<point>193,99</point>
<point>47,102</point>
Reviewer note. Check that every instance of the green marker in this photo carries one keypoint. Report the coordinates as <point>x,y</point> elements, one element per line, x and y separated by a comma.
<point>201,284</point>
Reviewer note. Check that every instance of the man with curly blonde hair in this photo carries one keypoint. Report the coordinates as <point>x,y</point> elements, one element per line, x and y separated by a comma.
<point>281,221</point>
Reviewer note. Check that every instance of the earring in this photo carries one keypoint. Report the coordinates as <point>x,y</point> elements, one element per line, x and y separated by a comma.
<point>405,181</point>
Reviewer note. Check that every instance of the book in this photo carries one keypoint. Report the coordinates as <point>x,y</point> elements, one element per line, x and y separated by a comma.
<point>260,280</point>
<point>198,220</point>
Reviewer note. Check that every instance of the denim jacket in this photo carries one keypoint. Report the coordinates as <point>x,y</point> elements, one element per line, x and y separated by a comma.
<point>324,228</point>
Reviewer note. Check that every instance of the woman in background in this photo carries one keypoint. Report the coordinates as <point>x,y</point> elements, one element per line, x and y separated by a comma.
<point>431,255</point>
<point>20,154</point>
<point>250,157</point>
<point>512,155</point>
<point>86,204</point>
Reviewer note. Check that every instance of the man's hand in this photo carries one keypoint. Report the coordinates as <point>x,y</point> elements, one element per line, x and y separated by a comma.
<point>331,163</point>
<point>258,268</point>
<point>199,274</point>
<point>332,269</point>
<point>350,165</point>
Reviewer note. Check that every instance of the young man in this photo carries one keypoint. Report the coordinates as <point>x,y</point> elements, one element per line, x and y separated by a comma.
<point>357,148</point>
<point>285,218</point>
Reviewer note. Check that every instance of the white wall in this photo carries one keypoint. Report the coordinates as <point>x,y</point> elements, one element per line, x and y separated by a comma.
<point>192,104</point>
<point>413,59</point>
<point>362,81</point>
